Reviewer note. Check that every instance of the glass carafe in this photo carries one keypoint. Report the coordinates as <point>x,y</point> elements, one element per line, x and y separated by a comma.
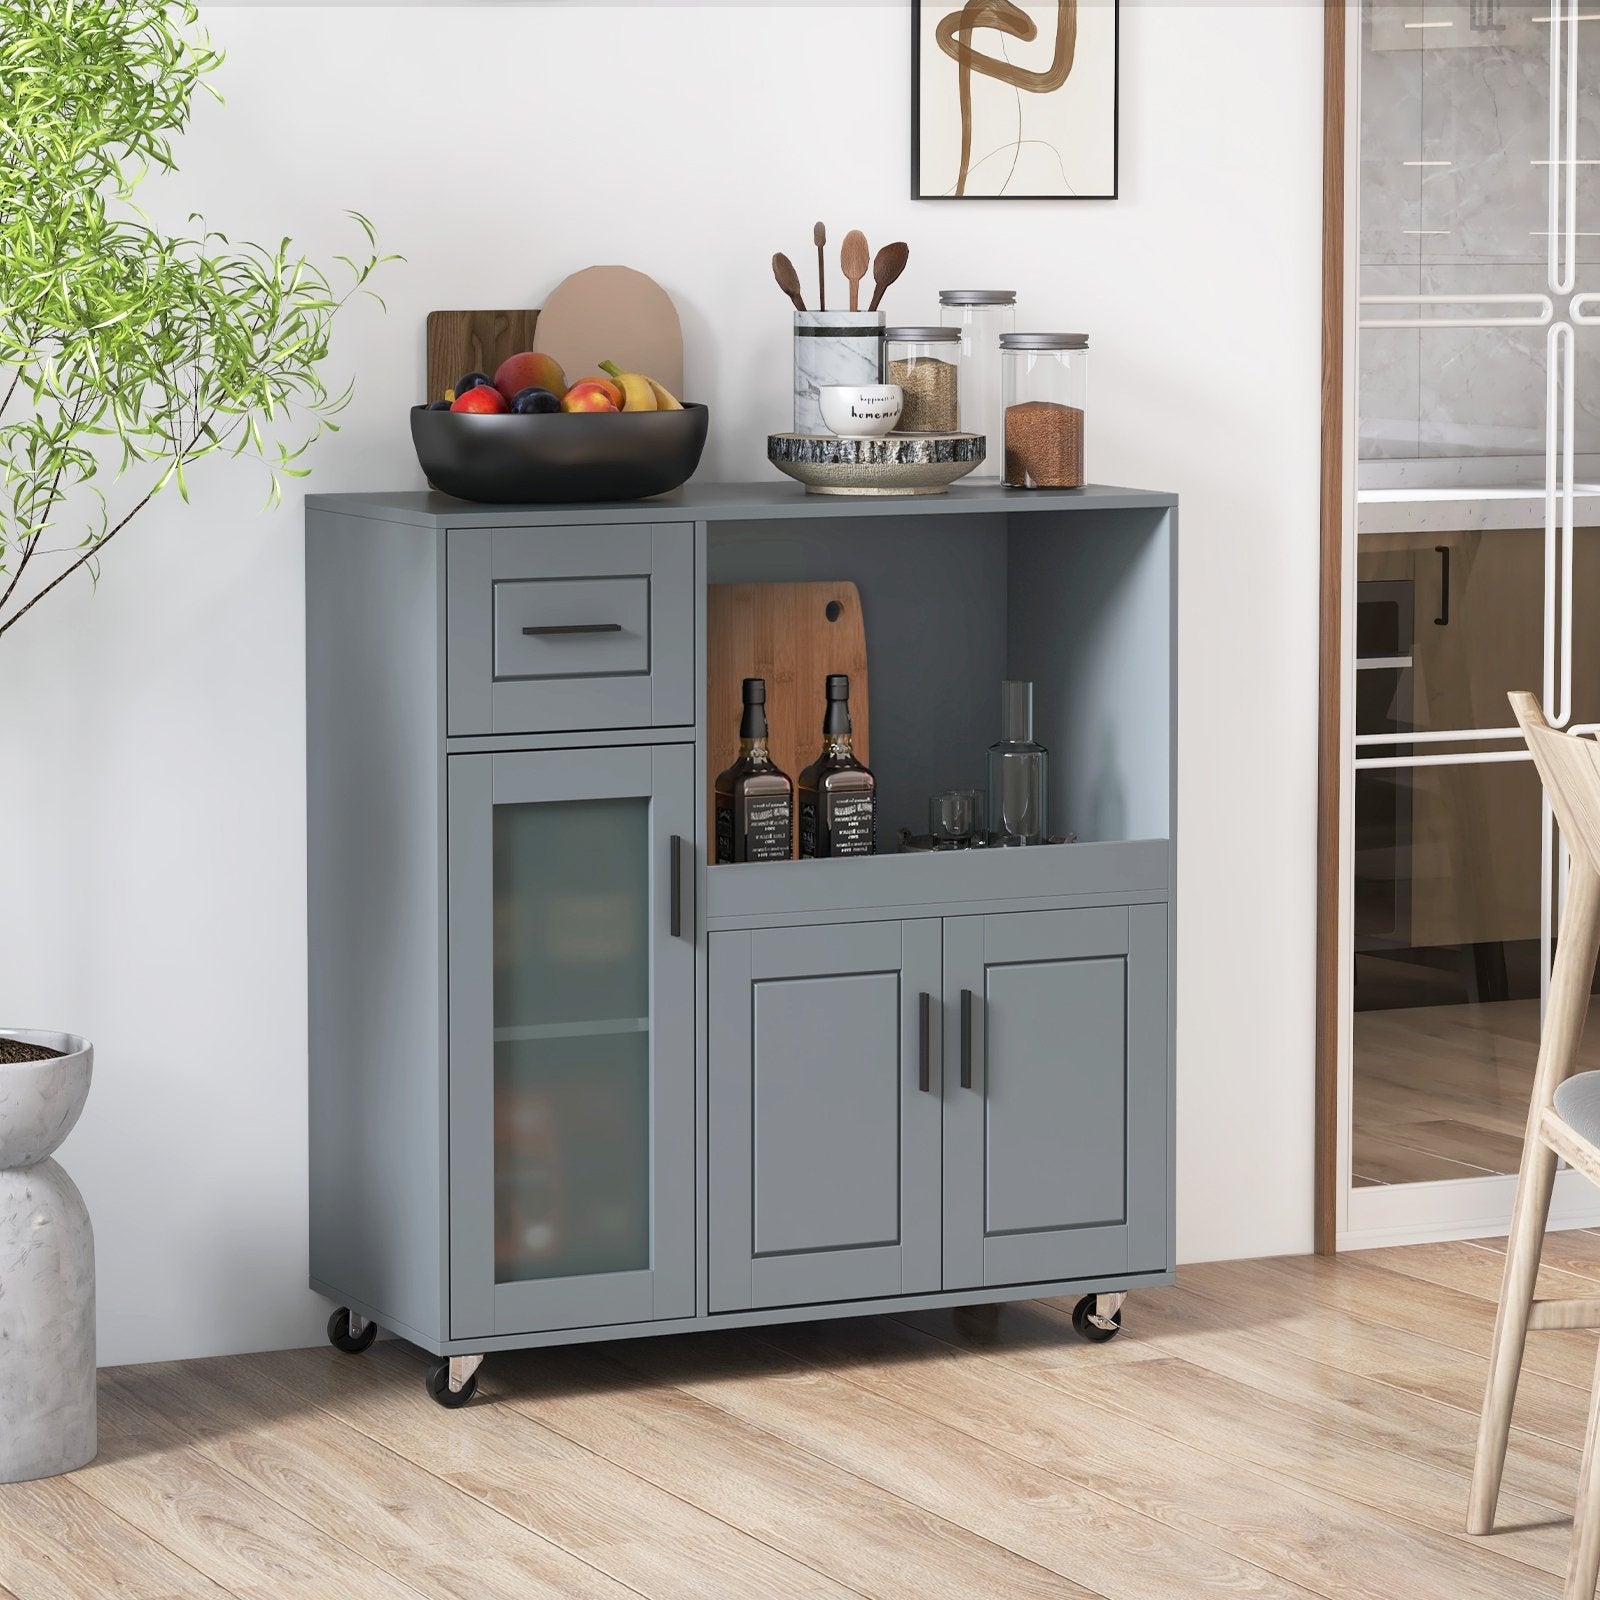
<point>1018,772</point>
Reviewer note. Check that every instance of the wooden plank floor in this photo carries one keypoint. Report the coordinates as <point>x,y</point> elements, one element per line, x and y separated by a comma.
<point>1291,1428</point>
<point>1442,1091</point>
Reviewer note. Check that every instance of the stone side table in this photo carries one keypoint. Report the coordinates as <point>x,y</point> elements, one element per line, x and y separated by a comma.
<point>47,1367</point>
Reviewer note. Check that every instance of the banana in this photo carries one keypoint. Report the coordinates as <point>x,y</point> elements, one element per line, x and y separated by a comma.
<point>665,400</point>
<point>637,394</point>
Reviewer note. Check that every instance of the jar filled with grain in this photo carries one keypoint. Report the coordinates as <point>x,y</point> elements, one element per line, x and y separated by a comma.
<point>926,363</point>
<point>1044,381</point>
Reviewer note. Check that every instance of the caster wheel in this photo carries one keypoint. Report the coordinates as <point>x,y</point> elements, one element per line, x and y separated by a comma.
<point>1092,1331</point>
<point>439,1386</point>
<point>341,1338</point>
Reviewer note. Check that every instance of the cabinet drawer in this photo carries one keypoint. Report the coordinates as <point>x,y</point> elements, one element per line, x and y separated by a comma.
<point>550,629</point>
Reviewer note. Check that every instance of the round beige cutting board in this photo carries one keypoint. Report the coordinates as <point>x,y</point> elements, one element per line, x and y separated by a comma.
<point>613,314</point>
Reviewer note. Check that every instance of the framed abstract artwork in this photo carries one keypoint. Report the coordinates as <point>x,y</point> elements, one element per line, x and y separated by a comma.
<point>1014,101</point>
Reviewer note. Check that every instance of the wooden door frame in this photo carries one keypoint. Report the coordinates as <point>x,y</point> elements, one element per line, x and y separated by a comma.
<point>1330,754</point>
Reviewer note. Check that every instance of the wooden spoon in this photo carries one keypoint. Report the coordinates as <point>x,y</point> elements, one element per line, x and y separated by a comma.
<point>788,279</point>
<point>819,237</point>
<point>853,259</point>
<point>887,265</point>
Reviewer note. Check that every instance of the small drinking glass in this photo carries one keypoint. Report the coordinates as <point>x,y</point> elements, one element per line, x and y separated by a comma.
<point>955,817</point>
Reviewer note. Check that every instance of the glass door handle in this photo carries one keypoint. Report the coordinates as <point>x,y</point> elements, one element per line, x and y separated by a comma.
<point>1443,619</point>
<point>676,893</point>
<point>924,1046</point>
<point>966,1038</point>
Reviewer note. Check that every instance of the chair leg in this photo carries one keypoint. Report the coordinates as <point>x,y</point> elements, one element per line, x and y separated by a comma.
<point>1558,1050</point>
<point>1523,1249</point>
<point>1583,1563</point>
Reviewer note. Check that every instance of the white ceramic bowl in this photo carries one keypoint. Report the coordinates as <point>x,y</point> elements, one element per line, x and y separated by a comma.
<point>854,412</point>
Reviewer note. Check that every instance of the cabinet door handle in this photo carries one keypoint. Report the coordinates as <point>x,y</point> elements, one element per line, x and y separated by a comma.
<point>676,896</point>
<point>575,627</point>
<point>924,1046</point>
<point>1443,619</point>
<point>966,1038</point>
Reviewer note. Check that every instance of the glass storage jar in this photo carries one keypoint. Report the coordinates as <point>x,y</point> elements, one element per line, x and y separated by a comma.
<point>980,316</point>
<point>926,363</point>
<point>1043,386</point>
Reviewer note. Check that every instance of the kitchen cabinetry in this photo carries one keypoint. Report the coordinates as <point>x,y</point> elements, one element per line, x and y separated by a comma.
<point>569,1081</point>
<point>1469,857</point>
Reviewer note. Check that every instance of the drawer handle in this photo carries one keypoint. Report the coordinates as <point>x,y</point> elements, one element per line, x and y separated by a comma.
<point>575,627</point>
<point>966,1038</point>
<point>924,1076</point>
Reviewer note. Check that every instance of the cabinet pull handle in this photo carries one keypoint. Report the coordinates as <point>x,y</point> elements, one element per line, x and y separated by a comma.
<point>1443,619</point>
<point>575,627</point>
<point>966,1038</point>
<point>677,887</point>
<point>924,1074</point>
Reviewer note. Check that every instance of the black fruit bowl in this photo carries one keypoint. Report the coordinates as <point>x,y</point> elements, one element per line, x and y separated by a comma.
<point>582,455</point>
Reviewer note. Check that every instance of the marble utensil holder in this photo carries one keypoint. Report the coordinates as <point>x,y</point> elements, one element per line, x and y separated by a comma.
<point>47,1394</point>
<point>831,348</point>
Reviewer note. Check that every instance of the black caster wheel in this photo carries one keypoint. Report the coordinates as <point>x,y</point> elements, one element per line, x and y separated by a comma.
<point>1092,1331</point>
<point>439,1386</point>
<point>341,1338</point>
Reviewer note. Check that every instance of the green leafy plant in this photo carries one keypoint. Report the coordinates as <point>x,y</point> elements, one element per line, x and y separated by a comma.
<point>126,351</point>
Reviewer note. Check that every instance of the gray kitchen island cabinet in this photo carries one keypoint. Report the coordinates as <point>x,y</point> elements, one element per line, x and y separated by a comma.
<point>570,1082</point>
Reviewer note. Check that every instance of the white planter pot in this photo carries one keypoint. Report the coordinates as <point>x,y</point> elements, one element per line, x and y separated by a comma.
<point>47,1395</point>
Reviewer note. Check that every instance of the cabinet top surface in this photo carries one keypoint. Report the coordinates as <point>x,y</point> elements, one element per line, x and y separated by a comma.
<point>733,502</point>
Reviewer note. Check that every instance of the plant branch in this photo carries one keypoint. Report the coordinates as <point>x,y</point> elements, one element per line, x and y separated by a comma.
<point>83,560</point>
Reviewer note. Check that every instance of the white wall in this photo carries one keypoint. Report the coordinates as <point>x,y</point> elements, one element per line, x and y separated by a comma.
<point>151,859</point>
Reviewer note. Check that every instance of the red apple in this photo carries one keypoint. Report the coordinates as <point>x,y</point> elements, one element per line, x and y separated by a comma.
<point>483,399</point>
<point>528,369</point>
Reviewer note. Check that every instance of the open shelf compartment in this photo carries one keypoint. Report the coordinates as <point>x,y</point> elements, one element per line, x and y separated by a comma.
<point>1080,602</point>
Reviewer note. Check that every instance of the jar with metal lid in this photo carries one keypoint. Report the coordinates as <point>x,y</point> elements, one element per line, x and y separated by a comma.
<point>1044,381</point>
<point>980,316</point>
<point>926,363</point>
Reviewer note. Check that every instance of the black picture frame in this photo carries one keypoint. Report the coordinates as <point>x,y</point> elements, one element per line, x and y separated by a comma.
<point>916,8</point>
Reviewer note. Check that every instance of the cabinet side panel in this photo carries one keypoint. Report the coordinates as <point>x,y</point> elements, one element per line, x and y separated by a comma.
<point>375,828</point>
<point>1092,628</point>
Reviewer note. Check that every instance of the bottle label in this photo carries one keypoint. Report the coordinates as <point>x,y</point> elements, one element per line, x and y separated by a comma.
<point>724,831</point>
<point>852,824</point>
<point>771,826</point>
<point>808,829</point>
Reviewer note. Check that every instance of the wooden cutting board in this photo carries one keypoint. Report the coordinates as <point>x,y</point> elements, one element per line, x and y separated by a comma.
<point>793,635</point>
<point>613,314</point>
<point>460,342</point>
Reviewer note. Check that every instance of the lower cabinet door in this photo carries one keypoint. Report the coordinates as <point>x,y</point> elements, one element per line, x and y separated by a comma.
<point>825,1113</point>
<point>572,973</point>
<point>1056,1107</point>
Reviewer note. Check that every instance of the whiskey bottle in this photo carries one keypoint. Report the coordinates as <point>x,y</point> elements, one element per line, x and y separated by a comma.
<point>838,796</point>
<point>754,800</point>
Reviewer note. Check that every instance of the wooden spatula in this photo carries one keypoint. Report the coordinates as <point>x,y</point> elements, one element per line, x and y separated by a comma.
<point>853,260</point>
<point>887,265</point>
<point>819,237</point>
<point>788,279</point>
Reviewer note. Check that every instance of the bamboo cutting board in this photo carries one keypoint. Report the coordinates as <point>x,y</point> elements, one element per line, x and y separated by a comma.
<point>460,342</point>
<point>793,635</point>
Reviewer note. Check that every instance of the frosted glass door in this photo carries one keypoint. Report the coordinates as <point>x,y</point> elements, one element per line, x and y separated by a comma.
<point>572,977</point>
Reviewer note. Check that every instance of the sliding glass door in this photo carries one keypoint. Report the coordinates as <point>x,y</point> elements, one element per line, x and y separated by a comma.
<point>1475,569</point>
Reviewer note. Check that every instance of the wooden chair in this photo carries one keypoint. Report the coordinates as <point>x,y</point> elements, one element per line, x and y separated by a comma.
<point>1563,1122</point>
